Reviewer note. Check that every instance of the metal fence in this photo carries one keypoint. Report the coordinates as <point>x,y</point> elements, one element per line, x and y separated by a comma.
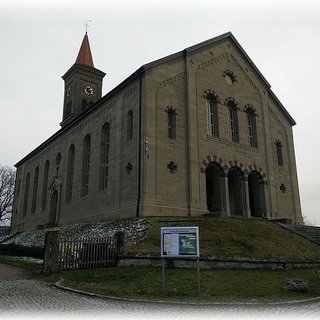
<point>87,253</point>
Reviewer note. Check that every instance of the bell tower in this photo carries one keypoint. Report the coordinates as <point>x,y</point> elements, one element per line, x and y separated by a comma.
<point>82,84</point>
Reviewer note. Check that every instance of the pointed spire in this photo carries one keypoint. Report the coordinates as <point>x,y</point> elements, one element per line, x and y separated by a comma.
<point>84,55</point>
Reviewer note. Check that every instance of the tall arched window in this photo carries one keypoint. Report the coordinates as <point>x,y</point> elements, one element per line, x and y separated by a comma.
<point>172,122</point>
<point>86,165</point>
<point>26,194</point>
<point>233,121</point>
<point>70,173</point>
<point>212,115</point>
<point>252,127</point>
<point>84,104</point>
<point>68,109</point>
<point>35,190</point>
<point>279,153</point>
<point>45,185</point>
<point>129,124</point>
<point>104,156</point>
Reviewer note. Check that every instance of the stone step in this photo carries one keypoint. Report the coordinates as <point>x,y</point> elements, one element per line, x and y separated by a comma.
<point>309,232</point>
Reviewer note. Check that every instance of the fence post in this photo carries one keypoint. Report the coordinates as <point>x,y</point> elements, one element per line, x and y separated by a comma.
<point>51,253</point>
<point>119,237</point>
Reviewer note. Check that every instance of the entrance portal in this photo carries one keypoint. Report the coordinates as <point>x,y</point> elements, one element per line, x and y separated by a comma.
<point>256,194</point>
<point>214,172</point>
<point>236,191</point>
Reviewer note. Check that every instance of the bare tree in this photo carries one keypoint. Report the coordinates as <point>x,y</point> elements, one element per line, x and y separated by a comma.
<point>7,180</point>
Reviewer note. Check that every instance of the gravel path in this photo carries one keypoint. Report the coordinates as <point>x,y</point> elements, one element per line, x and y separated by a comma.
<point>27,298</point>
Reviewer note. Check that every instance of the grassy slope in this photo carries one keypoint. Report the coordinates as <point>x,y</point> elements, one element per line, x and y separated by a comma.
<point>233,237</point>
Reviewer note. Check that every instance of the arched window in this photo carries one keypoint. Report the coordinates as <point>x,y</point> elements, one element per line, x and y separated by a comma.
<point>233,121</point>
<point>69,109</point>
<point>45,185</point>
<point>129,124</point>
<point>279,153</point>
<point>252,128</point>
<point>212,115</point>
<point>84,104</point>
<point>70,173</point>
<point>85,166</point>
<point>172,122</point>
<point>35,190</point>
<point>104,156</point>
<point>26,194</point>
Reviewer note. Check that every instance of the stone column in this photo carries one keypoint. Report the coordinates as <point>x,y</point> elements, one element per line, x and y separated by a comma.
<point>226,195</point>
<point>247,212</point>
<point>51,254</point>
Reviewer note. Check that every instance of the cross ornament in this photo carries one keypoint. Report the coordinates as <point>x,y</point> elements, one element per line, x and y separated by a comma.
<point>172,166</point>
<point>283,188</point>
<point>86,23</point>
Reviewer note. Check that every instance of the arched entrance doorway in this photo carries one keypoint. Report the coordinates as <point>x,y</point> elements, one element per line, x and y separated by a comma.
<point>256,194</point>
<point>214,187</point>
<point>236,191</point>
<point>53,207</point>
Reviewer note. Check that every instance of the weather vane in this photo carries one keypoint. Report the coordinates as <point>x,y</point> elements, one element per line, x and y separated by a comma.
<point>86,23</point>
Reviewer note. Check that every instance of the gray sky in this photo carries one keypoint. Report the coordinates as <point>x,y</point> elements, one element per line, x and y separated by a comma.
<point>40,41</point>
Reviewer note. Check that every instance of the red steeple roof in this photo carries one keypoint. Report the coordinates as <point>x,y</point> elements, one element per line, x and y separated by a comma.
<point>84,55</point>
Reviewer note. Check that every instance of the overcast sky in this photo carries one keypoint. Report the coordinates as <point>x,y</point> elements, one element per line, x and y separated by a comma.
<point>39,41</point>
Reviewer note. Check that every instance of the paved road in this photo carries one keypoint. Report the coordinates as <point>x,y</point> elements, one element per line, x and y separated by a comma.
<point>28,298</point>
<point>10,272</point>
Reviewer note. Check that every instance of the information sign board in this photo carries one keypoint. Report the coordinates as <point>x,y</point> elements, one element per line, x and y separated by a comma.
<point>179,242</point>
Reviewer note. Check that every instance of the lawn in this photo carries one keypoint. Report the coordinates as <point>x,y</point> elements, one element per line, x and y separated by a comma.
<point>181,284</point>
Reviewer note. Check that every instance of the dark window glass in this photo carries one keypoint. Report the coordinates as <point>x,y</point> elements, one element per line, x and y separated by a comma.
<point>104,157</point>
<point>26,194</point>
<point>86,165</point>
<point>35,190</point>
<point>129,124</point>
<point>45,185</point>
<point>70,173</point>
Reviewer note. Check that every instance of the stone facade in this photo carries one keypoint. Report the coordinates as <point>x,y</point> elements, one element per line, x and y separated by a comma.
<point>168,152</point>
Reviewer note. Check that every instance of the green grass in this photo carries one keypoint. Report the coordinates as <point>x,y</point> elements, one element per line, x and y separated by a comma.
<point>181,284</point>
<point>233,237</point>
<point>21,263</point>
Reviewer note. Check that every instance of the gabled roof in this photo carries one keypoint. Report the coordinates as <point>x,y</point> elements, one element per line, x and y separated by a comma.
<point>85,54</point>
<point>212,41</point>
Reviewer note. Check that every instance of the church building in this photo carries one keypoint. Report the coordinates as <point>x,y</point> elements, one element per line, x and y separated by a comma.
<point>197,132</point>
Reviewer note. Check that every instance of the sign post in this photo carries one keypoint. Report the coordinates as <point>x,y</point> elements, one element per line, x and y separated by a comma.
<point>180,243</point>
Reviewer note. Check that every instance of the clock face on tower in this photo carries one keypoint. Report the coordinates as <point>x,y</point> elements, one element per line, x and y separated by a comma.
<point>88,90</point>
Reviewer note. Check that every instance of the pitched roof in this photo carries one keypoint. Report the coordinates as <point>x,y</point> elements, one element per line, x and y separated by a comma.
<point>135,75</point>
<point>84,55</point>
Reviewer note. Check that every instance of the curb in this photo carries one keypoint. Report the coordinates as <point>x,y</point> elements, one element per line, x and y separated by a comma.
<point>101,296</point>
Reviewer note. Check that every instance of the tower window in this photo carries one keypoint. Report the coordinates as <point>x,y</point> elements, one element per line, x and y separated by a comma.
<point>84,105</point>
<point>68,109</point>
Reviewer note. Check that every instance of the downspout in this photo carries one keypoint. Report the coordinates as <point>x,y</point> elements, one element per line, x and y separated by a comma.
<point>188,132</point>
